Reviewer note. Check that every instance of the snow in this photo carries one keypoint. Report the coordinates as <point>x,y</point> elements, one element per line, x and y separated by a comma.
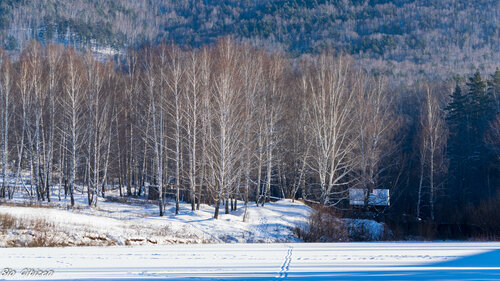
<point>193,245</point>
<point>289,261</point>
<point>138,222</point>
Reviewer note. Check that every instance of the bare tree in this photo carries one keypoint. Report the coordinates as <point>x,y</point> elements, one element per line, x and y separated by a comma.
<point>297,145</point>
<point>132,128</point>
<point>35,118</point>
<point>6,82</point>
<point>432,147</point>
<point>73,105</point>
<point>53,61</point>
<point>206,176</point>
<point>192,112</point>
<point>330,124</point>
<point>252,79</point>
<point>224,147</point>
<point>23,86</point>
<point>172,60</point>
<point>151,82</point>
<point>272,114</point>
<point>99,111</point>
<point>377,125</point>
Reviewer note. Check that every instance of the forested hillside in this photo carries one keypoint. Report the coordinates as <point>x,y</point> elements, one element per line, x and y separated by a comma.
<point>406,38</point>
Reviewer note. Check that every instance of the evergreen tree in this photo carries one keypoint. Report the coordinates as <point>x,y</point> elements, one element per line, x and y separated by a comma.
<point>456,108</point>
<point>469,117</point>
<point>458,122</point>
<point>458,143</point>
<point>481,113</point>
<point>494,89</point>
<point>480,105</point>
<point>492,134</point>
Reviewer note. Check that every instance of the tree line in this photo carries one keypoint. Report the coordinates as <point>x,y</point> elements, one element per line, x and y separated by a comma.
<point>230,122</point>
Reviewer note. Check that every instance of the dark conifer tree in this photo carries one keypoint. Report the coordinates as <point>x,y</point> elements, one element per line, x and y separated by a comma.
<point>469,117</point>
<point>494,89</point>
<point>480,105</point>
<point>481,113</point>
<point>492,134</point>
<point>458,143</point>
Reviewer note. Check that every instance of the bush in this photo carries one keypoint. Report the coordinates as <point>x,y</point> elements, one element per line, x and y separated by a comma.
<point>325,225</point>
<point>484,219</point>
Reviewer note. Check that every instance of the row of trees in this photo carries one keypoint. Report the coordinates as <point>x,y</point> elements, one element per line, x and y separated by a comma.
<point>230,122</point>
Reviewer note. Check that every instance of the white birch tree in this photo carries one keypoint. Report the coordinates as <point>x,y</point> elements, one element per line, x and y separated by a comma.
<point>73,107</point>
<point>224,147</point>
<point>432,147</point>
<point>330,124</point>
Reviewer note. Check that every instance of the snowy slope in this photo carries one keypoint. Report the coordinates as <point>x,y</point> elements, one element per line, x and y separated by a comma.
<point>131,223</point>
<point>329,261</point>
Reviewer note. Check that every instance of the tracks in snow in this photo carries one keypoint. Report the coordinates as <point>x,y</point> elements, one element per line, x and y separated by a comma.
<point>286,264</point>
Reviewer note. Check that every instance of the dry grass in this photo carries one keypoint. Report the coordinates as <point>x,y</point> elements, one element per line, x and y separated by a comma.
<point>16,231</point>
<point>7,221</point>
<point>15,223</point>
<point>44,205</point>
<point>76,207</point>
<point>132,200</point>
<point>36,232</point>
<point>31,204</point>
<point>40,239</point>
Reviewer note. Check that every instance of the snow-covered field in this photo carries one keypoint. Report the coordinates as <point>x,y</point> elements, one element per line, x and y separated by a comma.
<point>292,261</point>
<point>146,246</point>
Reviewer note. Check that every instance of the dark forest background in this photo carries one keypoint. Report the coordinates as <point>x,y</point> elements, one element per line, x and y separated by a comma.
<point>405,38</point>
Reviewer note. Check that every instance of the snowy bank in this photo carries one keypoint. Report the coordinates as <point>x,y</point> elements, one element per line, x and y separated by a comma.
<point>126,223</point>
